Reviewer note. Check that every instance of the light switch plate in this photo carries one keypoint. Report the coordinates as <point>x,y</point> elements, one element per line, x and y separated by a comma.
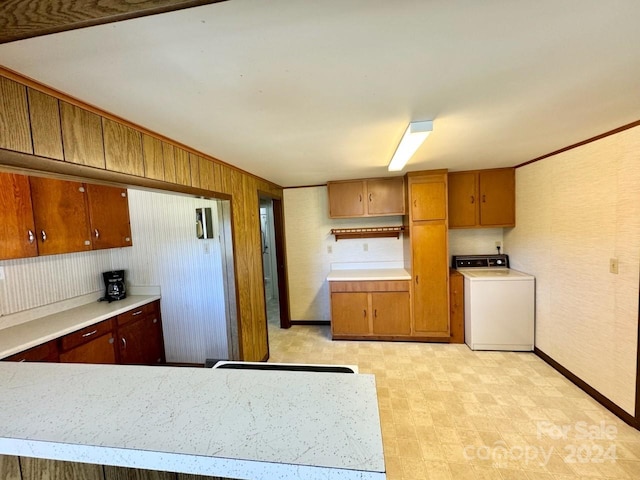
<point>613,265</point>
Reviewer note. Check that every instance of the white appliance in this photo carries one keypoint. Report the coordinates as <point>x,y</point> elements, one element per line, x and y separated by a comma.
<point>499,304</point>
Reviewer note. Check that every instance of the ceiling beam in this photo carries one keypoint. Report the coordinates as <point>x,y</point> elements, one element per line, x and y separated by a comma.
<point>20,19</point>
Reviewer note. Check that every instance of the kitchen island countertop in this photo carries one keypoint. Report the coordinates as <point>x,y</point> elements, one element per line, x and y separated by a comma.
<point>243,424</point>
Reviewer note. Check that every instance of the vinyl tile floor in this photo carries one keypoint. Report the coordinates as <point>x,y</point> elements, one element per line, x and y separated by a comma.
<point>450,413</point>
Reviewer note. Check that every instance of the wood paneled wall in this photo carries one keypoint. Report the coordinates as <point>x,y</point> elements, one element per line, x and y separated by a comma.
<point>66,131</point>
<point>25,468</point>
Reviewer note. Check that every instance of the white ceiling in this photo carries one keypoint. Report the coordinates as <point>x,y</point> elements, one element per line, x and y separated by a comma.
<point>304,91</point>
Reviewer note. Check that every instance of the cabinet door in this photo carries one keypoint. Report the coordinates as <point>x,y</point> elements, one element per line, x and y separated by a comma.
<point>430,277</point>
<point>108,216</point>
<point>15,131</point>
<point>152,151</point>
<point>349,314</point>
<point>47,352</point>
<point>456,302</point>
<point>122,148</point>
<point>391,313</point>
<point>140,342</point>
<point>17,228</point>
<point>44,112</point>
<point>385,196</point>
<point>346,199</point>
<point>463,199</point>
<point>497,198</point>
<point>60,212</point>
<point>99,350</point>
<point>428,201</point>
<point>81,136</point>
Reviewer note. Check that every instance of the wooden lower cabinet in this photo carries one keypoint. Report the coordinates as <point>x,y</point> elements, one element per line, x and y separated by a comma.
<point>47,352</point>
<point>349,313</point>
<point>391,313</point>
<point>140,338</point>
<point>134,337</point>
<point>456,306</point>
<point>370,309</point>
<point>430,273</point>
<point>98,350</point>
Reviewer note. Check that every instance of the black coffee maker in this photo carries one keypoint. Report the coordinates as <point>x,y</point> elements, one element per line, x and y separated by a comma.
<point>114,283</point>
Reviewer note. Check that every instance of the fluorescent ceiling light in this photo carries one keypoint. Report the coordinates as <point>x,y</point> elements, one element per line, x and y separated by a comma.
<point>413,137</point>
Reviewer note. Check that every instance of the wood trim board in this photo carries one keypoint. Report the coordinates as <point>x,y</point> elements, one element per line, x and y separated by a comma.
<point>54,16</point>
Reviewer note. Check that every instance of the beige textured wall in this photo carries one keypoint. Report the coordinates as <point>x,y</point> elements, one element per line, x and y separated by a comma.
<point>575,211</point>
<point>307,233</point>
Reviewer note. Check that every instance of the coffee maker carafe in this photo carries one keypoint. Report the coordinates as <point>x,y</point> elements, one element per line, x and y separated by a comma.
<point>114,283</point>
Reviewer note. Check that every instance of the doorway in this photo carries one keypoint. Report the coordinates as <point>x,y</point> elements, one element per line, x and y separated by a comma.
<point>273,262</point>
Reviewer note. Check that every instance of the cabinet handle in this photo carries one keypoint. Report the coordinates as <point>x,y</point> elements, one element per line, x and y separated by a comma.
<point>111,340</point>
<point>370,199</point>
<point>484,198</point>
<point>364,312</point>
<point>473,199</point>
<point>31,237</point>
<point>43,234</point>
<point>123,194</point>
<point>135,314</point>
<point>124,342</point>
<point>360,197</point>
<point>417,279</point>
<point>81,189</point>
<point>375,313</point>
<point>127,239</point>
<point>97,233</point>
<point>22,360</point>
<point>155,320</point>
<point>85,335</point>
<point>415,203</point>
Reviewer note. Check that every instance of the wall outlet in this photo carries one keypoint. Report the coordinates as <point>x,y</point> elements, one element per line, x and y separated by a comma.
<point>329,249</point>
<point>365,247</point>
<point>613,265</point>
<point>1,273</point>
<point>498,244</point>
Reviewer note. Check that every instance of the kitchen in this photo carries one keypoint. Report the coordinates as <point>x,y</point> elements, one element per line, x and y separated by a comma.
<point>558,238</point>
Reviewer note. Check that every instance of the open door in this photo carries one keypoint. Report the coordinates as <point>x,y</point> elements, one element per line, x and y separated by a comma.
<point>276,292</point>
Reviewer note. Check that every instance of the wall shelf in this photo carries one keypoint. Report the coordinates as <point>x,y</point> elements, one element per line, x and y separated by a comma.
<point>373,232</point>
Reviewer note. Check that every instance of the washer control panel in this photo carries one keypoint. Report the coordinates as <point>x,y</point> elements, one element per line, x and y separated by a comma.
<point>480,261</point>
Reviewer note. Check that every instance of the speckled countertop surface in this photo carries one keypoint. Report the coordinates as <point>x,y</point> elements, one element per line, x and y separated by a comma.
<point>230,423</point>
<point>20,337</point>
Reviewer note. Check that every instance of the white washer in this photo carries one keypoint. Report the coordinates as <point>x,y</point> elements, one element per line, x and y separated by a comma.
<point>499,306</point>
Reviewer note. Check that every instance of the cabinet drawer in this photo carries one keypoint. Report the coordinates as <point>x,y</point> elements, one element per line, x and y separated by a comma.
<point>376,286</point>
<point>86,334</point>
<point>134,314</point>
<point>47,352</point>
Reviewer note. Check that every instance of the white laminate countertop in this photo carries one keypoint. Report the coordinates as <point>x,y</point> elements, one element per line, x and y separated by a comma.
<point>26,335</point>
<point>244,424</point>
<point>367,271</point>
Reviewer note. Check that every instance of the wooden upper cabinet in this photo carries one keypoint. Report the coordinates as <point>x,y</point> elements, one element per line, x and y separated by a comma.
<point>108,216</point>
<point>15,131</point>
<point>429,200</point>
<point>81,136</point>
<point>182,167</point>
<point>44,113</point>
<point>346,199</point>
<point>385,196</point>
<point>122,148</point>
<point>366,198</point>
<point>194,163</point>
<point>152,150</point>
<point>207,174</point>
<point>463,199</point>
<point>60,213</point>
<point>17,229</point>
<point>497,198</point>
<point>482,198</point>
